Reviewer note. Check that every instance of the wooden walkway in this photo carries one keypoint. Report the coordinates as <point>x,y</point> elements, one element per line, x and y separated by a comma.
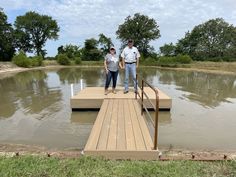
<point>120,132</point>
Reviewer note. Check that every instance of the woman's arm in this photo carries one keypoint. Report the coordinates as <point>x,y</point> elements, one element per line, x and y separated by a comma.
<point>105,65</point>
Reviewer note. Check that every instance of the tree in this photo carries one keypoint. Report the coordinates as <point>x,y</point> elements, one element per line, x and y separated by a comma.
<point>33,30</point>
<point>105,43</point>
<point>70,50</point>
<point>168,50</point>
<point>90,50</point>
<point>141,29</point>
<point>6,39</point>
<point>212,39</point>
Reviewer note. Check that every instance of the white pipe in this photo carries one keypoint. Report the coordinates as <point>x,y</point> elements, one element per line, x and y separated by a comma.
<point>81,84</point>
<point>72,90</point>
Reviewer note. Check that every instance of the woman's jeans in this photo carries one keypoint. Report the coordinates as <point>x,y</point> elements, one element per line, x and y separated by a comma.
<point>130,68</point>
<point>111,75</point>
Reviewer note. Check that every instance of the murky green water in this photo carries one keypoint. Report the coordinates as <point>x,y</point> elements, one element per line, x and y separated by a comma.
<point>35,108</point>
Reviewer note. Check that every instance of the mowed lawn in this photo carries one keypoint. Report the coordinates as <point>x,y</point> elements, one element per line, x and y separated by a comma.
<point>38,166</point>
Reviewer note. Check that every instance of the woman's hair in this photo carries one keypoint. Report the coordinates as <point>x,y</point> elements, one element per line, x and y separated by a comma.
<point>113,49</point>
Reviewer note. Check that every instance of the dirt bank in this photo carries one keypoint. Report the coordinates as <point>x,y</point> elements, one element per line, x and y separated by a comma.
<point>11,150</point>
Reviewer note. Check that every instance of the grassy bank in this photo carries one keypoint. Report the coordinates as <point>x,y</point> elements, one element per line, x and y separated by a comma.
<point>223,67</point>
<point>85,166</point>
<point>206,65</point>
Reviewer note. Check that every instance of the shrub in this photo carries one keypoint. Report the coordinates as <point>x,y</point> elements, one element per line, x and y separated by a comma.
<point>62,59</point>
<point>50,58</point>
<point>36,61</point>
<point>21,60</point>
<point>174,61</point>
<point>77,60</point>
<point>166,61</point>
<point>183,59</point>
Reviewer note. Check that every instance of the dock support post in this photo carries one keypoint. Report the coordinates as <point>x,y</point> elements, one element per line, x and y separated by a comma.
<point>72,90</point>
<point>81,84</point>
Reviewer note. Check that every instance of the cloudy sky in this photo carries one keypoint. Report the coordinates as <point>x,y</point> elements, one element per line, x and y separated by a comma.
<point>82,19</point>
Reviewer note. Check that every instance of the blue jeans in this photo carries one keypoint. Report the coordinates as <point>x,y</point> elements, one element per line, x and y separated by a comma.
<point>130,68</point>
<point>111,75</point>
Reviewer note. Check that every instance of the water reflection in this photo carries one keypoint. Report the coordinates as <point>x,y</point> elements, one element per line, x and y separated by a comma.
<point>28,91</point>
<point>207,89</point>
<point>91,77</point>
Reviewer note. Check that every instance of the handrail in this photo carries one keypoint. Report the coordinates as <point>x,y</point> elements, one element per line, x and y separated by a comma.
<point>156,108</point>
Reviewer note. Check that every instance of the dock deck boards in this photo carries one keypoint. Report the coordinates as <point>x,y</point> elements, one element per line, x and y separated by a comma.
<point>92,98</point>
<point>120,132</point>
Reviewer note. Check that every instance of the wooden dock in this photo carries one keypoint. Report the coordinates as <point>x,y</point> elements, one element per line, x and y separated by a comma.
<point>92,98</point>
<point>120,132</point>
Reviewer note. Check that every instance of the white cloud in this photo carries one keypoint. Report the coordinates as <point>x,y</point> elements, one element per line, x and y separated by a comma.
<point>81,19</point>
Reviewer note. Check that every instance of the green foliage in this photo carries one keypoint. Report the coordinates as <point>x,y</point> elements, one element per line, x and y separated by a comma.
<point>36,61</point>
<point>141,29</point>
<point>168,50</point>
<point>183,59</point>
<point>174,61</point>
<point>105,44</point>
<point>50,58</point>
<point>33,30</point>
<point>6,39</point>
<point>212,40</point>
<point>78,60</point>
<point>72,51</point>
<point>21,60</point>
<point>91,51</point>
<point>63,59</point>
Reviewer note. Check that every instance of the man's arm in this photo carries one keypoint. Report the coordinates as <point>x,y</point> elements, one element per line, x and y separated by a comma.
<point>137,62</point>
<point>123,58</point>
<point>138,57</point>
<point>123,62</point>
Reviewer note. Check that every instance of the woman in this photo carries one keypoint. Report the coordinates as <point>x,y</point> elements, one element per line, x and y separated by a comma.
<point>111,64</point>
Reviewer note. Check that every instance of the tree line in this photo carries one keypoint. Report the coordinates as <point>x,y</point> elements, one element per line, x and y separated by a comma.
<point>213,40</point>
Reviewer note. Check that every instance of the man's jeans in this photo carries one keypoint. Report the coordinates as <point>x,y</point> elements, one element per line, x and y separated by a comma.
<point>130,68</point>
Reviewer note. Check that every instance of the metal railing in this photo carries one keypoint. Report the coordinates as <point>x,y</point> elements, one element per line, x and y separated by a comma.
<point>144,107</point>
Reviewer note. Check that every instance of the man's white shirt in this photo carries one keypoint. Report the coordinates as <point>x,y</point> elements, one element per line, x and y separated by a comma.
<point>130,55</point>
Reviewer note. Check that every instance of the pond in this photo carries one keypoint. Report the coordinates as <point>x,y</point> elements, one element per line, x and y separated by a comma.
<point>35,108</point>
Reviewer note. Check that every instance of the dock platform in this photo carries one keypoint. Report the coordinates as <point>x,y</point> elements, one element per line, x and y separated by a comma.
<point>120,132</point>
<point>92,98</point>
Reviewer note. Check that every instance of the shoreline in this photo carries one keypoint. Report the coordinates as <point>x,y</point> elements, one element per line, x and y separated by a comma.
<point>15,69</point>
<point>11,150</point>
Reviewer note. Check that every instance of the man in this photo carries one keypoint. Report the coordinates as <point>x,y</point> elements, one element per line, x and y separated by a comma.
<point>130,58</point>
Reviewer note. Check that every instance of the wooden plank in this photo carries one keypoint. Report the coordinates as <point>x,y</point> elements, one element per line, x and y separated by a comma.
<point>126,155</point>
<point>144,129</point>
<point>102,143</point>
<point>121,138</point>
<point>94,135</point>
<point>140,145</point>
<point>112,136</point>
<point>129,134</point>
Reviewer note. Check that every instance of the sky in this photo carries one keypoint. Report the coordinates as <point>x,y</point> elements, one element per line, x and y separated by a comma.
<point>83,19</point>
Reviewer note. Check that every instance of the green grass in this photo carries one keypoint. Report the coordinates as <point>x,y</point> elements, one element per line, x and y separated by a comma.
<point>37,166</point>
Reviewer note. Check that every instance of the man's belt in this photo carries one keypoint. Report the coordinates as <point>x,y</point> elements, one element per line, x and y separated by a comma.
<point>130,62</point>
